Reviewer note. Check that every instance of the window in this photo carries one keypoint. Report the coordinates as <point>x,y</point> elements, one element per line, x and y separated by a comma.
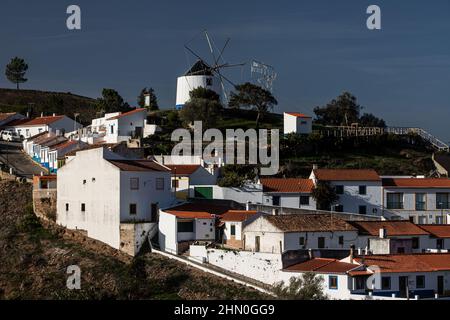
<point>442,201</point>
<point>420,282</point>
<point>341,240</point>
<point>185,226</point>
<point>401,250</point>
<point>133,208</point>
<point>233,230</point>
<point>362,190</point>
<point>209,81</point>
<point>439,243</point>
<point>395,200</point>
<point>134,183</point>
<point>84,181</point>
<point>159,183</point>
<point>339,208</point>
<point>175,183</point>
<point>67,207</point>
<point>421,203</point>
<point>362,209</point>
<point>415,243</point>
<point>154,212</point>
<point>304,200</point>
<point>321,242</point>
<point>83,207</point>
<point>111,129</point>
<point>360,283</point>
<point>301,241</point>
<point>332,282</point>
<point>385,283</point>
<point>339,189</point>
<point>276,200</point>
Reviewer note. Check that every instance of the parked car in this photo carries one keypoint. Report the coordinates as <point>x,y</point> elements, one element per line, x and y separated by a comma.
<point>9,135</point>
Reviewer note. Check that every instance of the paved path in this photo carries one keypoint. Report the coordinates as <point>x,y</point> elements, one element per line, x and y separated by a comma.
<point>11,153</point>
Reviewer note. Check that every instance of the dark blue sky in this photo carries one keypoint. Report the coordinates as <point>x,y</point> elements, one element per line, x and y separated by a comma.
<point>319,49</point>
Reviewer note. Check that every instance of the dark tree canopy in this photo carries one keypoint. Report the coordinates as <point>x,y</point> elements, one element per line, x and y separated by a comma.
<point>325,195</point>
<point>253,97</point>
<point>153,99</point>
<point>204,105</point>
<point>342,111</point>
<point>369,120</point>
<point>111,101</point>
<point>306,287</point>
<point>15,71</point>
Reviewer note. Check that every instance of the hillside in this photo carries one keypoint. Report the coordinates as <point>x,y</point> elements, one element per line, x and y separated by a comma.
<point>35,102</point>
<point>34,262</point>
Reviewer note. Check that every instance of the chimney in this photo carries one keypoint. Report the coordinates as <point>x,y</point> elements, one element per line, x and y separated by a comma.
<point>28,115</point>
<point>310,254</point>
<point>383,233</point>
<point>315,166</point>
<point>274,212</point>
<point>352,253</point>
<point>54,114</point>
<point>247,206</point>
<point>42,114</point>
<point>146,100</point>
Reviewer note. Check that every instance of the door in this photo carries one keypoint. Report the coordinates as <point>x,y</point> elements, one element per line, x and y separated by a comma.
<point>403,285</point>
<point>257,240</point>
<point>321,242</point>
<point>154,212</point>
<point>203,192</point>
<point>440,285</point>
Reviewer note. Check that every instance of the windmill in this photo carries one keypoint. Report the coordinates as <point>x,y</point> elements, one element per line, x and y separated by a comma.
<point>205,74</point>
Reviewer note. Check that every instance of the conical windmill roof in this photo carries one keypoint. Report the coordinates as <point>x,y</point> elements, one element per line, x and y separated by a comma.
<point>200,68</point>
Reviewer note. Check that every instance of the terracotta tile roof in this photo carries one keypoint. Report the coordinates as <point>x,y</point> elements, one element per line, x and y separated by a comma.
<point>4,116</point>
<point>64,144</point>
<point>298,115</point>
<point>308,223</point>
<point>40,134</point>
<point>437,230</point>
<point>420,262</point>
<point>416,182</point>
<point>393,228</point>
<point>346,175</point>
<point>126,114</point>
<point>237,215</point>
<point>89,147</point>
<point>138,165</point>
<point>47,177</point>
<point>197,210</point>
<point>287,185</point>
<point>16,122</point>
<point>183,169</point>
<point>36,121</point>
<point>322,265</point>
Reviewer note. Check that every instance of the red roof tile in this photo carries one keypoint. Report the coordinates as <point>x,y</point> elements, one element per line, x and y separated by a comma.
<point>346,175</point>
<point>183,169</point>
<point>287,185</point>
<point>298,115</point>
<point>197,210</point>
<point>36,121</point>
<point>64,144</point>
<point>127,114</point>
<point>308,223</point>
<point>237,215</point>
<point>420,262</point>
<point>437,230</point>
<point>138,165</point>
<point>393,228</point>
<point>416,182</point>
<point>4,116</point>
<point>322,265</point>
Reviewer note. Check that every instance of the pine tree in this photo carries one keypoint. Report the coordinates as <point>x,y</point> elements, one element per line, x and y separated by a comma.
<point>15,71</point>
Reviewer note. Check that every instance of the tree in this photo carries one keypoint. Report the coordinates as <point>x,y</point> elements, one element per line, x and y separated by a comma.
<point>325,195</point>
<point>111,101</point>
<point>15,71</point>
<point>253,97</point>
<point>153,100</point>
<point>369,120</point>
<point>235,175</point>
<point>344,110</point>
<point>204,105</point>
<point>306,287</point>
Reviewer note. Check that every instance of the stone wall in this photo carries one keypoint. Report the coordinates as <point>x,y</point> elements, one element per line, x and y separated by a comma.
<point>44,203</point>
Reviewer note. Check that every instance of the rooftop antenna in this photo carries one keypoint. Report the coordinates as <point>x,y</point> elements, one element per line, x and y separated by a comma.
<point>216,66</point>
<point>264,74</point>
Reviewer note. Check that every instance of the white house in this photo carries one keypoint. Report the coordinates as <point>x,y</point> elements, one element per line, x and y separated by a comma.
<point>439,238</point>
<point>232,223</point>
<point>280,233</point>
<point>359,190</point>
<point>126,125</point>
<point>423,200</point>
<point>56,153</point>
<point>288,192</point>
<point>115,200</point>
<point>30,127</point>
<point>295,122</point>
<point>391,237</point>
<point>184,224</point>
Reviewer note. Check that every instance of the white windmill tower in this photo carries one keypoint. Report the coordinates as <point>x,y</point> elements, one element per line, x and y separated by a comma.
<point>204,74</point>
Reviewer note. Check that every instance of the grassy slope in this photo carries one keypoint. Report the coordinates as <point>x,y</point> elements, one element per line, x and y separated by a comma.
<point>12,100</point>
<point>34,262</point>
